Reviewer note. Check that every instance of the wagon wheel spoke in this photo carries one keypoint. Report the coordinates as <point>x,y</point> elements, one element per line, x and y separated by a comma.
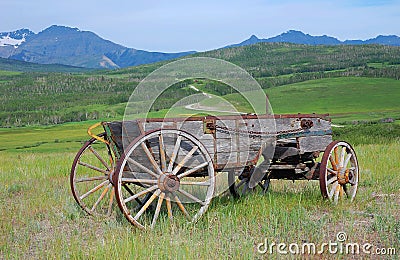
<point>336,193</point>
<point>174,153</point>
<point>136,197</point>
<point>151,158</point>
<point>158,208</point>
<point>92,167</point>
<point>146,205</point>
<point>346,161</point>
<point>141,193</point>
<point>331,180</point>
<point>338,168</point>
<point>142,167</point>
<point>331,171</point>
<point>346,191</point>
<point>101,196</point>
<point>96,178</point>
<point>162,153</point>
<point>342,155</point>
<point>333,189</point>
<point>190,196</point>
<point>90,178</point>
<point>184,160</point>
<point>94,189</point>
<point>182,207</point>
<point>145,181</point>
<point>195,169</point>
<point>169,207</point>
<point>99,157</point>
<point>186,179</point>
<point>110,203</point>
<point>336,153</point>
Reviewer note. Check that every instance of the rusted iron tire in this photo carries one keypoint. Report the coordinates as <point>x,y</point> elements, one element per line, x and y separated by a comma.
<point>172,166</point>
<point>239,187</point>
<point>339,172</point>
<point>90,178</point>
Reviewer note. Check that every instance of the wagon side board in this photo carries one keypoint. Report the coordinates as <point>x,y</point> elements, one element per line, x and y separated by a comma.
<point>231,141</point>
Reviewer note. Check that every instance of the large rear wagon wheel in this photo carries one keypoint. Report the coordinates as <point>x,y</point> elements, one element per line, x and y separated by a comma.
<point>170,171</point>
<point>339,173</point>
<point>90,178</point>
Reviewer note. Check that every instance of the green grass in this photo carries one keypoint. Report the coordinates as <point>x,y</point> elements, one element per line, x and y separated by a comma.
<point>337,96</point>
<point>345,99</point>
<point>39,218</point>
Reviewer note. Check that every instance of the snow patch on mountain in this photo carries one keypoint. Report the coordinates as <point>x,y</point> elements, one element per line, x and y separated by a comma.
<point>7,41</point>
<point>15,38</point>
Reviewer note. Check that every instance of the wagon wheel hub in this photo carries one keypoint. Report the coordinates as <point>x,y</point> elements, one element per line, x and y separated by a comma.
<point>344,175</point>
<point>168,182</point>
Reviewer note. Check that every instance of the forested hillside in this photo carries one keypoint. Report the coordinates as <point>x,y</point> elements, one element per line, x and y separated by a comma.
<point>52,98</point>
<point>276,64</point>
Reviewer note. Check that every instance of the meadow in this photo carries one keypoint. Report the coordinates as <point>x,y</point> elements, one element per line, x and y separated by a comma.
<point>40,219</point>
<point>357,86</point>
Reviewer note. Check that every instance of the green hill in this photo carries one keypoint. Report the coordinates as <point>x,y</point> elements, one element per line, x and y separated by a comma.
<point>345,99</point>
<point>332,76</point>
<point>15,65</point>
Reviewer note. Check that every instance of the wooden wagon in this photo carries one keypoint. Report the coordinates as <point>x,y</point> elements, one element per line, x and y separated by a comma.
<point>158,168</point>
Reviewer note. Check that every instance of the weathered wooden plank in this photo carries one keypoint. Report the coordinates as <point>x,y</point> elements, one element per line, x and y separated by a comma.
<point>225,158</point>
<point>314,143</point>
<point>247,156</point>
<point>148,126</point>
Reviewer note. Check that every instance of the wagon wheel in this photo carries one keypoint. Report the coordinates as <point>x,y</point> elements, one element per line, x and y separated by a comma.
<point>239,185</point>
<point>339,172</point>
<point>90,178</point>
<point>171,166</point>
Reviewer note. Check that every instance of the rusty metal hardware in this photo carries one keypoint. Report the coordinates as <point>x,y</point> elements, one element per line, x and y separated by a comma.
<point>306,124</point>
<point>89,131</point>
<point>209,126</point>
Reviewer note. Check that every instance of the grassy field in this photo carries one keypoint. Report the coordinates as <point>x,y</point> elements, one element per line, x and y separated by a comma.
<point>345,99</point>
<point>40,219</point>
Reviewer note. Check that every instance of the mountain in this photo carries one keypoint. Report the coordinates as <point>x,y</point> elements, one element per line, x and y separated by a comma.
<point>299,37</point>
<point>71,46</point>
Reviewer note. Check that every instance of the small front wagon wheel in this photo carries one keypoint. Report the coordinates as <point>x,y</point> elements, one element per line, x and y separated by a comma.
<point>339,173</point>
<point>239,185</point>
<point>170,171</point>
<point>90,178</point>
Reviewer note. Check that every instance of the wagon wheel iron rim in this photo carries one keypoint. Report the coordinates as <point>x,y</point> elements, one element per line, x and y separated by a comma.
<point>163,164</point>
<point>339,172</point>
<point>90,178</point>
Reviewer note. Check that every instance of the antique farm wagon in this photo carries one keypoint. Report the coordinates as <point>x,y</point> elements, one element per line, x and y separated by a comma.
<point>159,168</point>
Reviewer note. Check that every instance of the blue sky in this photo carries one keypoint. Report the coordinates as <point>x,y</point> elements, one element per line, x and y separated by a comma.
<point>171,26</point>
